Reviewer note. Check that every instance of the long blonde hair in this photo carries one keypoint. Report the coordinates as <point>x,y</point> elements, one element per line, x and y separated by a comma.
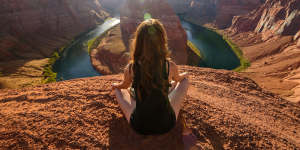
<point>149,50</point>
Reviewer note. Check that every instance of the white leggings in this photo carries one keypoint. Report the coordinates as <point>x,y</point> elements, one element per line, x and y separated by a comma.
<point>176,97</point>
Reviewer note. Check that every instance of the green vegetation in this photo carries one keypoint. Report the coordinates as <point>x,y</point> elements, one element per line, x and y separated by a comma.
<point>243,61</point>
<point>238,52</point>
<point>49,75</point>
<point>194,55</point>
<point>1,74</point>
<point>194,49</point>
<point>93,43</point>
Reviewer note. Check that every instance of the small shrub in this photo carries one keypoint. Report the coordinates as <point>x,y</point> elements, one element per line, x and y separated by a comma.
<point>244,63</point>
<point>194,49</point>
<point>93,43</point>
<point>49,75</point>
<point>63,48</point>
<point>239,53</point>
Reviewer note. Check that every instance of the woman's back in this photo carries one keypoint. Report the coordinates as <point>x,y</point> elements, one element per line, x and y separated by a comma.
<point>153,113</point>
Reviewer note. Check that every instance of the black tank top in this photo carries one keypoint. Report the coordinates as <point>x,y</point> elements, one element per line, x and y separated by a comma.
<point>153,114</point>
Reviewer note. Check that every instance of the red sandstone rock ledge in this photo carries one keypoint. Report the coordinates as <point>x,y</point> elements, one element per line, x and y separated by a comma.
<point>225,111</point>
<point>268,38</point>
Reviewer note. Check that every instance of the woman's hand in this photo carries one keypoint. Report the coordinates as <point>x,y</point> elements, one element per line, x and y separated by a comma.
<point>114,86</point>
<point>184,75</point>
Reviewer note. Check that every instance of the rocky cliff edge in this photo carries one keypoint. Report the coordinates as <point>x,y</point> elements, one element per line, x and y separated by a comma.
<point>224,110</point>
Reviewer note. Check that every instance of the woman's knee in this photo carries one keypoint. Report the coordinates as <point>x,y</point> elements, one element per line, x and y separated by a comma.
<point>185,82</point>
<point>117,90</point>
<point>118,94</point>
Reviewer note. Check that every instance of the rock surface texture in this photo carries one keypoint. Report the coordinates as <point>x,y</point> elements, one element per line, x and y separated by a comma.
<point>112,6</point>
<point>111,56</point>
<point>38,26</point>
<point>220,12</point>
<point>33,30</point>
<point>268,37</point>
<point>274,17</point>
<point>227,9</point>
<point>224,110</point>
<point>133,12</point>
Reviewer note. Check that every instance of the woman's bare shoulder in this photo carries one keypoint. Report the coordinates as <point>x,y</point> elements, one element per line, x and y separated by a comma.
<point>129,69</point>
<point>172,64</point>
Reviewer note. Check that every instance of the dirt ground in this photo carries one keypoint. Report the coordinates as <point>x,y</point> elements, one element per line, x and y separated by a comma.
<point>224,110</point>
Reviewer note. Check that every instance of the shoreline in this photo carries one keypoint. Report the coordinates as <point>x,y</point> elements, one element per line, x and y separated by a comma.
<point>244,62</point>
<point>49,75</point>
<point>273,62</point>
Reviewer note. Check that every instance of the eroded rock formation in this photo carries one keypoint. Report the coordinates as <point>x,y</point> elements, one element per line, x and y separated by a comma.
<point>220,12</point>
<point>275,17</point>
<point>111,55</point>
<point>268,39</point>
<point>132,14</point>
<point>224,110</point>
<point>196,11</point>
<point>112,6</point>
<point>227,9</point>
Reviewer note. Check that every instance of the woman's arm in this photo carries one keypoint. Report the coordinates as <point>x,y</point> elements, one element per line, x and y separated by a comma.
<point>126,81</point>
<point>175,74</point>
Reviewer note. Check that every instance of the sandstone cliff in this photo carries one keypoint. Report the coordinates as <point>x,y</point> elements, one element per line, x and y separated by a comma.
<point>227,9</point>
<point>224,110</point>
<point>111,55</point>
<point>36,27</point>
<point>274,17</point>
<point>268,39</point>
<point>132,14</point>
<point>112,6</point>
<point>32,30</point>
<point>219,12</point>
<point>196,11</point>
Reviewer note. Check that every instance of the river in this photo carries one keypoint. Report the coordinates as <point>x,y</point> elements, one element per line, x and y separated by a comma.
<point>75,60</point>
<point>214,49</point>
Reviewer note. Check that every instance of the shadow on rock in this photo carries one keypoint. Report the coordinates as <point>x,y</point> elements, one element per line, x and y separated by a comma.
<point>122,136</point>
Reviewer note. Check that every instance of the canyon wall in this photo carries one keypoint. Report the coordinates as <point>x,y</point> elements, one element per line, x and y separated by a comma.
<point>219,12</point>
<point>268,38</point>
<point>133,12</point>
<point>227,9</point>
<point>30,28</point>
<point>275,17</point>
<point>112,6</point>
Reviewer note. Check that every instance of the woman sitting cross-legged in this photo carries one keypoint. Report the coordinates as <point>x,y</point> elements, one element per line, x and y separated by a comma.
<point>151,104</point>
